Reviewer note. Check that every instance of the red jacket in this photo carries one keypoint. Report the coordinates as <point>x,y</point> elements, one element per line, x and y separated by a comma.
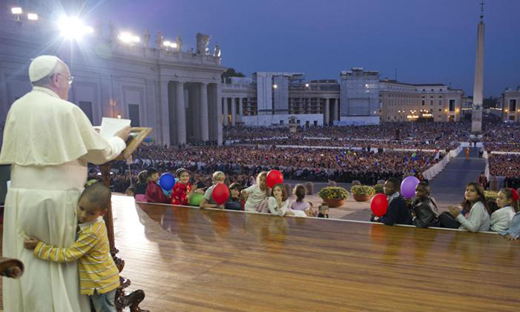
<point>154,193</point>
<point>180,193</point>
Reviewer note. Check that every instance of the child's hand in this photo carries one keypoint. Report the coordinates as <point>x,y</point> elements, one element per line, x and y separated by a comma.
<point>199,191</point>
<point>454,211</point>
<point>30,243</point>
<point>221,207</point>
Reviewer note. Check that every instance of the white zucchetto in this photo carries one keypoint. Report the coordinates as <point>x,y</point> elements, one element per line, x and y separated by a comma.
<point>42,66</point>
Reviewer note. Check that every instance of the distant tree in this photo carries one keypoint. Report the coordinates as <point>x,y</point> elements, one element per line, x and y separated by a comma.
<point>230,72</point>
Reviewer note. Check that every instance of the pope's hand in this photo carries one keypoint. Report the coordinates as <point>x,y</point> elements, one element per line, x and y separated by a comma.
<point>124,133</point>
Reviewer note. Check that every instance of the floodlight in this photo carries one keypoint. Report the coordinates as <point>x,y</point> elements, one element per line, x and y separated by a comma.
<point>16,10</point>
<point>136,39</point>
<point>167,43</point>
<point>73,28</point>
<point>125,37</point>
<point>173,45</point>
<point>32,16</point>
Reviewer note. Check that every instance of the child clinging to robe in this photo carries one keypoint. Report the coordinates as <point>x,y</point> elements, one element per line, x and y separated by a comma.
<point>98,274</point>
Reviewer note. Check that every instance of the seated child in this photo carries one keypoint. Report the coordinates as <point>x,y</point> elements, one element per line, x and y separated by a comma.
<point>154,193</point>
<point>300,203</point>
<point>207,202</point>
<point>255,194</point>
<point>501,218</point>
<point>182,190</point>
<point>98,275</point>
<point>279,205</point>
<point>324,211</point>
<point>235,201</point>
<point>140,188</point>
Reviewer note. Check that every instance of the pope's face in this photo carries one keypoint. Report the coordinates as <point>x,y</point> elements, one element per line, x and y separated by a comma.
<point>61,82</point>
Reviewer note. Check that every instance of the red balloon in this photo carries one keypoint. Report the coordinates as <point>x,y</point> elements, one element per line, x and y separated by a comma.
<point>273,177</point>
<point>220,194</point>
<point>379,204</point>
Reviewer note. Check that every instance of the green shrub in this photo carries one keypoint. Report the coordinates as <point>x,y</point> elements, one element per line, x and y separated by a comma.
<point>333,192</point>
<point>378,188</point>
<point>363,190</point>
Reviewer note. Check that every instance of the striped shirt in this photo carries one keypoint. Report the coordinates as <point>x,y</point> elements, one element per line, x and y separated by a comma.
<point>97,270</point>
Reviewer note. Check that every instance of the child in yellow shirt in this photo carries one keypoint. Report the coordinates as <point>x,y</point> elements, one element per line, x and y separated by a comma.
<point>99,276</point>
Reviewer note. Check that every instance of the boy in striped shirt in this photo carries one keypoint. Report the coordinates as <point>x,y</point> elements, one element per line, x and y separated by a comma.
<point>99,276</point>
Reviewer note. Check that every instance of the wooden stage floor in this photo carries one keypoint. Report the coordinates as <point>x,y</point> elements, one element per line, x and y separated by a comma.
<point>187,259</point>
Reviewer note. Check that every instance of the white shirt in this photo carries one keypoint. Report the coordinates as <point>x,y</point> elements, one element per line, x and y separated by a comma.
<point>256,195</point>
<point>501,219</point>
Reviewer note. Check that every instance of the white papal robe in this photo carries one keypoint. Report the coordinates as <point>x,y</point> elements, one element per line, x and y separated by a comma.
<point>48,142</point>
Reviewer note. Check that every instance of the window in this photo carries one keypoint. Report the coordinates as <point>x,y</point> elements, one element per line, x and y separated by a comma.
<point>281,122</point>
<point>452,105</point>
<point>512,105</point>
<point>440,102</point>
<point>86,107</point>
<point>133,111</point>
<point>431,102</point>
<point>423,103</point>
<point>440,109</point>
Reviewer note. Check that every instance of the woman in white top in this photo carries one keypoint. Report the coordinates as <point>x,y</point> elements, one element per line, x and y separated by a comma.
<point>256,193</point>
<point>501,219</point>
<point>279,204</point>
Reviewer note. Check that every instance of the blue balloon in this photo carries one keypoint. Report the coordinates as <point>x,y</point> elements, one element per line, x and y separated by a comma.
<point>167,181</point>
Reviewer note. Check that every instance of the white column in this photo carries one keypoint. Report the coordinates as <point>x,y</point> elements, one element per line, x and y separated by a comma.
<point>219,113</point>
<point>240,108</point>
<point>204,122</point>
<point>326,111</point>
<point>181,113</point>
<point>233,111</point>
<point>225,112</point>
<point>335,107</point>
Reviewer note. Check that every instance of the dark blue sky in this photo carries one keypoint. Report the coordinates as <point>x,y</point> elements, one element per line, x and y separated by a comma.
<point>427,41</point>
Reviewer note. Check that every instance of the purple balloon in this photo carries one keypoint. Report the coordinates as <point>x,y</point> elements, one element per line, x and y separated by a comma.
<point>408,186</point>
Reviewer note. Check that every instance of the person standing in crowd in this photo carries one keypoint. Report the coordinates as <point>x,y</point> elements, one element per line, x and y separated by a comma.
<point>48,141</point>
<point>424,209</point>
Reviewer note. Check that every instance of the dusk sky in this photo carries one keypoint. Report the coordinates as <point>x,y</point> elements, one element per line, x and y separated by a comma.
<point>427,41</point>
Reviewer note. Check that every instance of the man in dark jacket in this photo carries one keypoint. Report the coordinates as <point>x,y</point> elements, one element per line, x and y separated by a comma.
<point>424,212</point>
<point>397,212</point>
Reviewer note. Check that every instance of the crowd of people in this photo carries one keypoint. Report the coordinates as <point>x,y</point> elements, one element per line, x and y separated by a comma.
<point>387,135</point>
<point>240,163</point>
<point>507,166</point>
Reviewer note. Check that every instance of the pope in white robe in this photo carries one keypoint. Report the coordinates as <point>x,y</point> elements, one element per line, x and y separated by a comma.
<point>48,142</point>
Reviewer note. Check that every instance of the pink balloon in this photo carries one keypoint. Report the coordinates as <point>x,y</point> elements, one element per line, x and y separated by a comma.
<point>273,177</point>
<point>220,194</point>
<point>379,205</point>
<point>408,186</point>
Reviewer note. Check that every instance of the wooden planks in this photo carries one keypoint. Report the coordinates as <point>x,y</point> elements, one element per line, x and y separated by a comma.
<point>200,260</point>
<point>188,259</point>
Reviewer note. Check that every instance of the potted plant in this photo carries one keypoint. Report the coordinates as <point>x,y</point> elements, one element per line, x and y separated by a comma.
<point>362,193</point>
<point>379,188</point>
<point>333,196</point>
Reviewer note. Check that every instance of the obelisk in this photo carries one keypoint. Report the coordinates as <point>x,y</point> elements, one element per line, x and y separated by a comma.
<point>478,89</point>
